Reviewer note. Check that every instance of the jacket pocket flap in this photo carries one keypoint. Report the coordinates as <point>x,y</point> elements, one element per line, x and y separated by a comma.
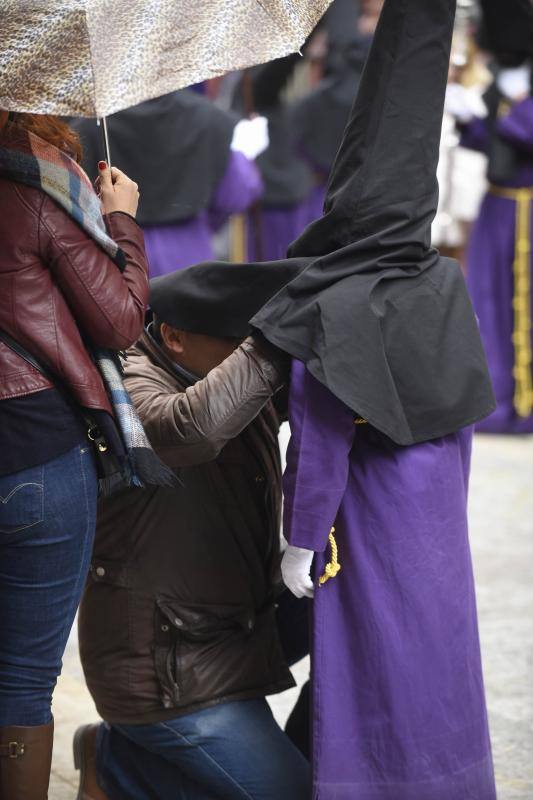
<point>105,571</point>
<point>199,620</point>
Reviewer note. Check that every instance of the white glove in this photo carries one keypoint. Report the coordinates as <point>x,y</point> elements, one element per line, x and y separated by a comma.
<point>296,569</point>
<point>250,137</point>
<point>515,82</point>
<point>464,104</point>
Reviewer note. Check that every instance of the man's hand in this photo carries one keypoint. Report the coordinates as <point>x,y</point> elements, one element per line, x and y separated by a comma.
<point>296,569</point>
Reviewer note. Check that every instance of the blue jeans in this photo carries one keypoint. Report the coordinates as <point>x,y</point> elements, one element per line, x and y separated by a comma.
<point>233,751</point>
<point>47,523</point>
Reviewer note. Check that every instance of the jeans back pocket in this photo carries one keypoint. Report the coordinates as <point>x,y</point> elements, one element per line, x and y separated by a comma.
<point>21,500</point>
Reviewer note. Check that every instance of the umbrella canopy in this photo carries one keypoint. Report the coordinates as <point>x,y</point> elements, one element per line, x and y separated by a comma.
<point>91,58</point>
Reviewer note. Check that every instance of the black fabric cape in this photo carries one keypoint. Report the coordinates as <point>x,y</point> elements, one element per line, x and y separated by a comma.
<point>175,147</point>
<point>377,315</point>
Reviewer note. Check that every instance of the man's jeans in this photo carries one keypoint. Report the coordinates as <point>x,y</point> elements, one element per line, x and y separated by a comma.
<point>233,751</point>
<point>47,523</point>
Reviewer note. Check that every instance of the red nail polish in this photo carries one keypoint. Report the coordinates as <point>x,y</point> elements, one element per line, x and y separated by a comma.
<point>102,165</point>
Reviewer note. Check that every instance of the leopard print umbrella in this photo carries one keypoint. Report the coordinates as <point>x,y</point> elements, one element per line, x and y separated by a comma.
<point>95,57</point>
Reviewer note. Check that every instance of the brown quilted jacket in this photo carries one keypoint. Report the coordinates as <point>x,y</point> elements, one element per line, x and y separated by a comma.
<point>178,612</point>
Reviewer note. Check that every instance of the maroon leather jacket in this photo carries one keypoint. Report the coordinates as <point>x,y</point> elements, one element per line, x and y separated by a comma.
<point>59,288</point>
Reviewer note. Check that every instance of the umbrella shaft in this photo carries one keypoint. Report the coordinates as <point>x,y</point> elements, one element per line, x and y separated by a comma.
<point>105,137</point>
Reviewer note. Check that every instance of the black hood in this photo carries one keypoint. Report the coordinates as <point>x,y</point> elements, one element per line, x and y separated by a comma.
<point>376,314</point>
<point>340,22</point>
<point>319,120</point>
<point>175,147</point>
<point>508,30</point>
<point>508,34</point>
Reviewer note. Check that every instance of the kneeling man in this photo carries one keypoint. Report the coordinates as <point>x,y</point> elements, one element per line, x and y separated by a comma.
<point>178,634</point>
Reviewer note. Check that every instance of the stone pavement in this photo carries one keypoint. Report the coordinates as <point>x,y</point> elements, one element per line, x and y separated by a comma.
<point>502,541</point>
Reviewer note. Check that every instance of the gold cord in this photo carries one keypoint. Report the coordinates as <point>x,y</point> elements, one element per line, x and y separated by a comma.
<point>333,568</point>
<point>523,361</point>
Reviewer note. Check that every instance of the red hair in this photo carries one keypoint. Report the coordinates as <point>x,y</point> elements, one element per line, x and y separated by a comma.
<point>53,130</point>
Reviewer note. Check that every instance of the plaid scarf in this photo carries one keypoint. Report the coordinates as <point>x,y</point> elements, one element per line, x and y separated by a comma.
<point>144,466</point>
<point>28,159</point>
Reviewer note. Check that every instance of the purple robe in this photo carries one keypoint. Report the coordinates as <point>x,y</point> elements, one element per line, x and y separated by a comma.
<point>490,268</point>
<point>177,245</point>
<point>398,699</point>
<point>279,227</point>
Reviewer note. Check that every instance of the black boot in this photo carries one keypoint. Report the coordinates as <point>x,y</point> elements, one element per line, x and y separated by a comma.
<point>85,761</point>
<point>25,761</point>
<point>298,727</point>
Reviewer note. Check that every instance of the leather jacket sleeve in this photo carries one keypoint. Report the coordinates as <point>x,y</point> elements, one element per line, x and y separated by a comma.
<point>108,305</point>
<point>192,427</point>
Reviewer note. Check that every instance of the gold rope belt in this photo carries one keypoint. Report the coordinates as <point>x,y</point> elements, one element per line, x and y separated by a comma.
<point>523,360</point>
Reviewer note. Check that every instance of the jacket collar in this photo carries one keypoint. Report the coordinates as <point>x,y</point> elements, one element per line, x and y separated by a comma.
<point>149,347</point>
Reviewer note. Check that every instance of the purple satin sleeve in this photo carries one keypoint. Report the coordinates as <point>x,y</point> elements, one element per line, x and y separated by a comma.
<point>318,459</point>
<point>239,188</point>
<point>517,126</point>
<point>475,135</point>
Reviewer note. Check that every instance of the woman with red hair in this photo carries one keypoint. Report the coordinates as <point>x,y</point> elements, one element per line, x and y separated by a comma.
<point>73,277</point>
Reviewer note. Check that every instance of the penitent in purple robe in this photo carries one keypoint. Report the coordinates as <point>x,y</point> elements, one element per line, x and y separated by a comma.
<point>490,267</point>
<point>398,699</point>
<point>177,245</point>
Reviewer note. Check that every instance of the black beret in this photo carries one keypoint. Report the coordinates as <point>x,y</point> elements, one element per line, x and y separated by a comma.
<point>216,298</point>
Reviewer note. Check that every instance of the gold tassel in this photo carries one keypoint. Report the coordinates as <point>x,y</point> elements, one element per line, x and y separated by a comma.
<point>333,568</point>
